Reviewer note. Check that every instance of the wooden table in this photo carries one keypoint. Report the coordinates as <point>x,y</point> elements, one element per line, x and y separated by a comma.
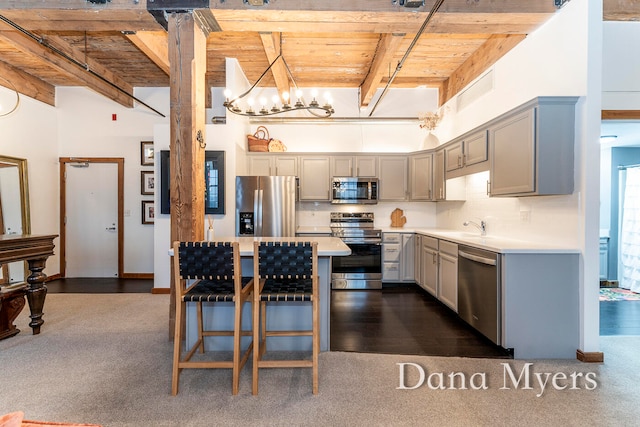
<point>35,249</point>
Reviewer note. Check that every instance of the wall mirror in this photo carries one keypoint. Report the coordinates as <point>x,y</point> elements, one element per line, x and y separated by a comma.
<point>14,211</point>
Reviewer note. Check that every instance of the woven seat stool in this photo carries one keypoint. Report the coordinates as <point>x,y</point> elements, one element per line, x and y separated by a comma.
<point>209,273</point>
<point>285,272</point>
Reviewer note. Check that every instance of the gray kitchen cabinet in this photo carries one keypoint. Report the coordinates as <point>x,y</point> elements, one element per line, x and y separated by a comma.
<point>272,164</point>
<point>315,179</point>
<point>604,258</point>
<point>397,257</point>
<point>448,274</point>
<point>407,258</point>
<point>439,187</point>
<point>417,259</point>
<point>391,245</point>
<point>421,171</point>
<point>360,166</point>
<point>453,154</point>
<point>531,149</point>
<point>393,178</point>
<point>429,264</point>
<point>467,155</point>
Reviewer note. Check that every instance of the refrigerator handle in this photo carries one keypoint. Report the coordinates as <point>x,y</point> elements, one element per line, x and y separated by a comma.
<point>257,212</point>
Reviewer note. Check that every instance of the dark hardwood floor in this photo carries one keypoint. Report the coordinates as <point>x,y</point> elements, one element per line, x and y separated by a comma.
<point>100,285</point>
<point>400,319</point>
<point>619,317</point>
<point>403,320</point>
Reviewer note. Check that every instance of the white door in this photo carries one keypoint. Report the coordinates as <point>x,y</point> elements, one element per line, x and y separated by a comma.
<point>92,216</point>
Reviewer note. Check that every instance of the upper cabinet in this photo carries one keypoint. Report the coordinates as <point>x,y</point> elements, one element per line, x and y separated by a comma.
<point>360,166</point>
<point>531,149</point>
<point>315,179</point>
<point>467,154</point>
<point>421,176</point>
<point>393,178</point>
<point>272,164</point>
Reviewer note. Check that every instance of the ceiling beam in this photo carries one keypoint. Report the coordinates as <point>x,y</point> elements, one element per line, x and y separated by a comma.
<point>383,57</point>
<point>483,58</point>
<point>154,44</point>
<point>107,88</point>
<point>620,114</point>
<point>27,84</point>
<point>620,10</point>
<point>80,15</point>
<point>271,45</point>
<point>472,22</point>
<point>450,6</point>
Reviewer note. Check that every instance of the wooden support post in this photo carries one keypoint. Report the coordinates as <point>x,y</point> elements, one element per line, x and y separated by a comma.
<point>187,56</point>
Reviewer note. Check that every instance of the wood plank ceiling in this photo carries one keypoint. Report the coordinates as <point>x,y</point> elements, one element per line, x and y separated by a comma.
<point>333,43</point>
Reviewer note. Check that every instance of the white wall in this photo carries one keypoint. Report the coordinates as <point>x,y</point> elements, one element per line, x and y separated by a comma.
<point>31,133</point>
<point>531,69</point>
<point>81,126</point>
<point>86,129</point>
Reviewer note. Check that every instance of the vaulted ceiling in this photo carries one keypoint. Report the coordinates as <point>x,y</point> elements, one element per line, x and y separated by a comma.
<point>112,46</point>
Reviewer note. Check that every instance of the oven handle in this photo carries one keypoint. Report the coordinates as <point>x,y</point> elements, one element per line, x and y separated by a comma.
<point>362,242</point>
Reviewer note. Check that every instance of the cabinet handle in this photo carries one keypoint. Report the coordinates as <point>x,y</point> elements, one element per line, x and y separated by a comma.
<point>429,194</point>
<point>435,260</point>
<point>488,188</point>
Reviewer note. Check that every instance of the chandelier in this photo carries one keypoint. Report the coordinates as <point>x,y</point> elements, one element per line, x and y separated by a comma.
<point>262,108</point>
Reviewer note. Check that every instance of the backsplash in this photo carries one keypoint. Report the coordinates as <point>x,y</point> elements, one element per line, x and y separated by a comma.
<point>418,214</point>
<point>536,218</point>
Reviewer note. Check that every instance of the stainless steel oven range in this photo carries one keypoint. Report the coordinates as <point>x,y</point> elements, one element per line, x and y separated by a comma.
<point>363,268</point>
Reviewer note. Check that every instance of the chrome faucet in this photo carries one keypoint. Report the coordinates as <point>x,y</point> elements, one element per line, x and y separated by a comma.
<point>482,226</point>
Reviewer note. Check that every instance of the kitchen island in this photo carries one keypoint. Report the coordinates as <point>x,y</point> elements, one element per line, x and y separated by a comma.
<point>285,314</point>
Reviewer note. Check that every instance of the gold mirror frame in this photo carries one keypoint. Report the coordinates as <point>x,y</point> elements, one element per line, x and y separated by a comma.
<point>25,214</point>
<point>21,164</point>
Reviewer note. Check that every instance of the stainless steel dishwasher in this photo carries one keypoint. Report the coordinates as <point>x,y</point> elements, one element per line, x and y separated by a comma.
<point>479,290</point>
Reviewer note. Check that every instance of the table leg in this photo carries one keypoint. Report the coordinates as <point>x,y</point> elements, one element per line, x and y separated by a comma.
<point>36,292</point>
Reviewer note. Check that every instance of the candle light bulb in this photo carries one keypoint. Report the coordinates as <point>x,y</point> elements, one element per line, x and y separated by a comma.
<point>285,96</point>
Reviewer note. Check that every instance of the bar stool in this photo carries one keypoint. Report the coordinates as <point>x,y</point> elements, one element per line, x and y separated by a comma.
<point>214,268</point>
<point>285,271</point>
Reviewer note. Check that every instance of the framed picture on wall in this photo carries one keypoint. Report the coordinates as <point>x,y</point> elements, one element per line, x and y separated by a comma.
<point>147,183</point>
<point>146,153</point>
<point>148,212</point>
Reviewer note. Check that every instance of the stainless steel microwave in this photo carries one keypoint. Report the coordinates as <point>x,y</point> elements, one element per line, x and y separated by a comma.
<point>346,189</point>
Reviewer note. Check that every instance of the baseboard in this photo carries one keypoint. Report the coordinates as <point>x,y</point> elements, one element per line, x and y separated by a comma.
<point>53,277</point>
<point>160,291</point>
<point>590,356</point>
<point>137,276</point>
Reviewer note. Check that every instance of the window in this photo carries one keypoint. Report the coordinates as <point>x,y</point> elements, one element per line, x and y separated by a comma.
<point>214,182</point>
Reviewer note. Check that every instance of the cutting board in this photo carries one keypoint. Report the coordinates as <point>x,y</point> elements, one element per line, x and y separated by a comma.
<point>397,218</point>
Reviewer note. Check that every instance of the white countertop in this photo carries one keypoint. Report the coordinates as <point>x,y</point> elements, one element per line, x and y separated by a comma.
<point>497,244</point>
<point>327,246</point>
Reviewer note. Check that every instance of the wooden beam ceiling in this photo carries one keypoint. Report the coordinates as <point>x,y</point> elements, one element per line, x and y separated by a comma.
<point>271,45</point>
<point>37,50</point>
<point>27,84</point>
<point>383,59</point>
<point>154,44</point>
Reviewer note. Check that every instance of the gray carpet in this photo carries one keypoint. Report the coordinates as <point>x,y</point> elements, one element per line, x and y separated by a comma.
<point>106,359</point>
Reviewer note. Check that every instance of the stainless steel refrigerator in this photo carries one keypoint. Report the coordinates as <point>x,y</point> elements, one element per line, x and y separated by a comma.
<point>266,206</point>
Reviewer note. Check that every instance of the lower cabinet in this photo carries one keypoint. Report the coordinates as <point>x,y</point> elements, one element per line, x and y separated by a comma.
<point>397,257</point>
<point>439,269</point>
<point>448,274</point>
<point>430,265</point>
